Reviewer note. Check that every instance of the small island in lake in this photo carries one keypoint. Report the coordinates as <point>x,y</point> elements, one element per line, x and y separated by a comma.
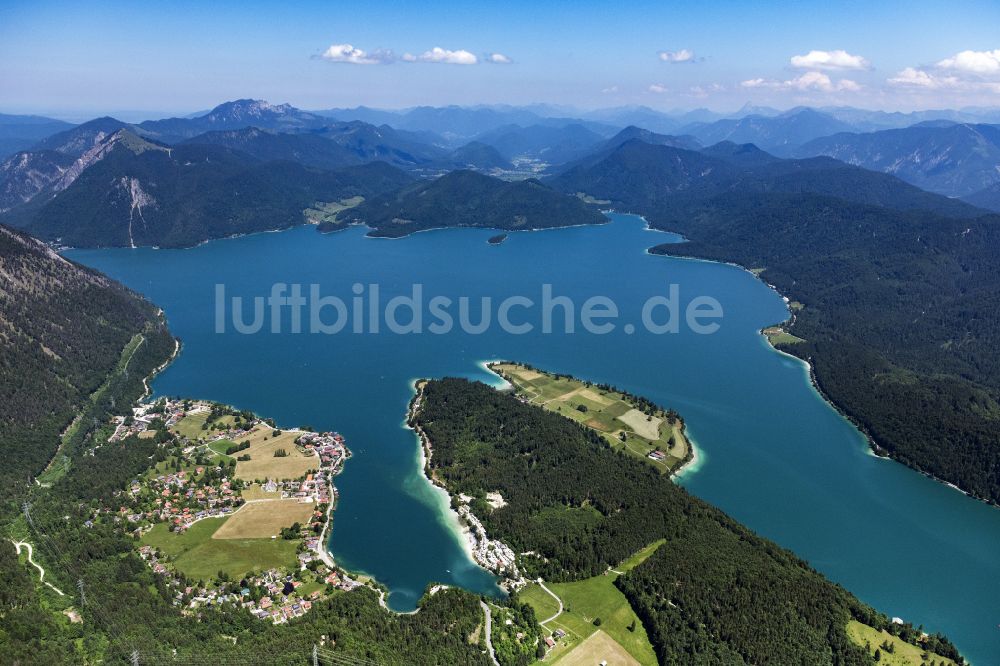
<point>497,240</point>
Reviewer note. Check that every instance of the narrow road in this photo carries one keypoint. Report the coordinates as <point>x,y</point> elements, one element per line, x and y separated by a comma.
<point>553,595</point>
<point>18,545</point>
<point>489,632</point>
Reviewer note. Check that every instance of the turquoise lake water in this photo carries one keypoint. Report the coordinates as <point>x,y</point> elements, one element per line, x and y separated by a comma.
<point>774,455</point>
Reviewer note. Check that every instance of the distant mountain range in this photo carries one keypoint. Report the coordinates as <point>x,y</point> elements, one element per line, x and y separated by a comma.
<point>21,132</point>
<point>639,175</point>
<point>944,157</point>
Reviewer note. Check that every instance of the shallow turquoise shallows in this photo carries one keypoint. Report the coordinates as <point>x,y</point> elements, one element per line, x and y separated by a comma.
<point>773,454</point>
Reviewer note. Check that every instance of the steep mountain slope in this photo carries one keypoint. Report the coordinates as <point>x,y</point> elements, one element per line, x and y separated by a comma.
<point>470,199</point>
<point>78,140</point>
<point>780,135</point>
<point>63,330</point>
<point>25,174</point>
<point>141,193</point>
<point>21,132</point>
<point>951,159</point>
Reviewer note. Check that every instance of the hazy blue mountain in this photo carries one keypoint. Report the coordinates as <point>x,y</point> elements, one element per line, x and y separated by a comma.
<point>368,143</point>
<point>742,154</point>
<point>476,155</point>
<point>470,199</point>
<point>780,135</point>
<point>951,159</point>
<point>145,193</point>
<point>551,143</point>
<point>235,115</point>
<point>988,198</point>
<point>647,136</point>
<point>21,132</point>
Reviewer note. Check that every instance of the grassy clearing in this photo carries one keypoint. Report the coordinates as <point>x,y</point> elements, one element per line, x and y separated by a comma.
<point>586,198</point>
<point>779,336</point>
<point>585,600</point>
<point>610,413</point>
<point>191,426</point>
<point>599,648</point>
<point>264,465</point>
<point>262,520</point>
<point>903,654</point>
<point>200,557</point>
<point>328,211</point>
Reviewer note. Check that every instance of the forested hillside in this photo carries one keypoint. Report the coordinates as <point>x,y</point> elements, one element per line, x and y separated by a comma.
<point>143,193</point>
<point>713,594</point>
<point>470,199</point>
<point>63,331</point>
<point>900,317</point>
<point>899,287</point>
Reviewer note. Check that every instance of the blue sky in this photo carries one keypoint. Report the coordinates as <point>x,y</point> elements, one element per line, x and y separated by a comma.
<point>83,58</point>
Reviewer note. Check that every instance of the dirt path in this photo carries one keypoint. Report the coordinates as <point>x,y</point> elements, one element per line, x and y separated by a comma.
<point>553,595</point>
<point>18,545</point>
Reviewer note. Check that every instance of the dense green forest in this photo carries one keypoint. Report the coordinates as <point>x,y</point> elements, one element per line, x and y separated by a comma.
<point>64,330</point>
<point>900,319</point>
<point>470,199</point>
<point>141,193</point>
<point>715,593</point>
<point>899,286</point>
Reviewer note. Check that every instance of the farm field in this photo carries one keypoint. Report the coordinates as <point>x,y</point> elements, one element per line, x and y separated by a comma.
<point>613,414</point>
<point>598,648</point>
<point>264,465</point>
<point>201,557</point>
<point>264,519</point>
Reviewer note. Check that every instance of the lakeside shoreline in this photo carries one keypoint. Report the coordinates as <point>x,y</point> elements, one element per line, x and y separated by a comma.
<point>460,529</point>
<point>470,530</point>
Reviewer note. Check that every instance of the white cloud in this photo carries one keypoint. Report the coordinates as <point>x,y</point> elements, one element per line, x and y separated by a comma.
<point>808,81</point>
<point>444,56</point>
<point>678,57</point>
<point>830,60</point>
<point>657,88</point>
<point>912,77</point>
<point>701,92</point>
<point>973,62</point>
<point>609,90</point>
<point>920,79</point>
<point>498,59</point>
<point>348,54</point>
